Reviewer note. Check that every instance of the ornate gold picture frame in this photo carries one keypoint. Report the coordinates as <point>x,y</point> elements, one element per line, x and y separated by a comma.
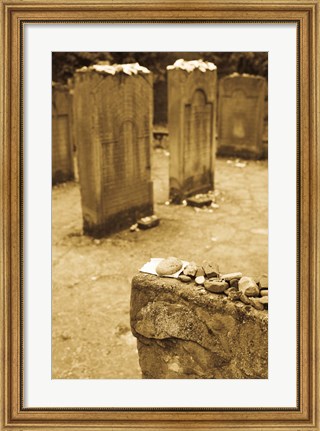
<point>14,416</point>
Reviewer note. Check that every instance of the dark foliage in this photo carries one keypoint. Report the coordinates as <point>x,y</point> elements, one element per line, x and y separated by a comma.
<point>64,64</point>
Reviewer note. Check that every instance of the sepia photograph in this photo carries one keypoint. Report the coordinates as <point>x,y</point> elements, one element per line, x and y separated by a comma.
<point>160,215</point>
<point>159,175</point>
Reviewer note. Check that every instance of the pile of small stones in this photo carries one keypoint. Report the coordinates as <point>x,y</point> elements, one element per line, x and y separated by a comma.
<point>112,69</point>
<point>249,290</point>
<point>190,66</point>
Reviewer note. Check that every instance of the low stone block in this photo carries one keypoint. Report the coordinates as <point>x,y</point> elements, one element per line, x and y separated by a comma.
<point>148,222</point>
<point>199,201</point>
<point>184,332</point>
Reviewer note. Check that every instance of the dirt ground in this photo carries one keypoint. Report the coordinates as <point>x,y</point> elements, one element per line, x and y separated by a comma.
<point>91,337</point>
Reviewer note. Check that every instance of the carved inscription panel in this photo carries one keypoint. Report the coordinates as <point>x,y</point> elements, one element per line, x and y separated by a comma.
<point>197,136</point>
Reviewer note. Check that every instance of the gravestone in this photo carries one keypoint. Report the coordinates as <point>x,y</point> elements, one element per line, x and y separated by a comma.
<point>62,142</point>
<point>113,116</point>
<point>241,115</point>
<point>186,332</point>
<point>192,127</point>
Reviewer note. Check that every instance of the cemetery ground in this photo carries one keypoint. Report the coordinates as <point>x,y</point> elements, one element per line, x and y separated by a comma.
<point>91,336</point>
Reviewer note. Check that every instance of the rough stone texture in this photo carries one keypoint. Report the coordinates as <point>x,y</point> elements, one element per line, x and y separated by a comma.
<point>241,115</point>
<point>62,151</point>
<point>210,269</point>
<point>248,286</point>
<point>216,286</point>
<point>263,282</point>
<point>231,276</point>
<point>191,269</point>
<point>185,332</point>
<point>192,130</point>
<point>114,133</point>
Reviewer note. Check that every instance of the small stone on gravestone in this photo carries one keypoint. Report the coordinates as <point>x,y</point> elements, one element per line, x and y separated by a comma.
<point>256,279</point>
<point>231,276</point>
<point>234,282</point>
<point>229,290</point>
<point>200,271</point>
<point>169,266</point>
<point>264,300</point>
<point>248,286</point>
<point>263,282</point>
<point>245,299</point>
<point>184,278</point>
<point>191,269</point>
<point>200,279</point>
<point>255,302</point>
<point>264,292</point>
<point>234,295</point>
<point>210,269</point>
<point>216,286</point>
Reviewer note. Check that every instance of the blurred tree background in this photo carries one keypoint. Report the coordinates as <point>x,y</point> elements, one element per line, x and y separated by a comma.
<point>64,64</point>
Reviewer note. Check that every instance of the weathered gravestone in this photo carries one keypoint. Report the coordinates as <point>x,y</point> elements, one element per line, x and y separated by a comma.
<point>241,115</point>
<point>192,127</point>
<point>185,332</point>
<point>62,151</point>
<point>113,116</point>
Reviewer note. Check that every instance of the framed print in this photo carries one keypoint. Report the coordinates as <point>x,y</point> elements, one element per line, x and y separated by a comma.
<point>159,176</point>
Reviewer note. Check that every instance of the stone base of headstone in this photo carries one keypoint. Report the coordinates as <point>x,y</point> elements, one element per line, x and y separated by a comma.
<point>178,192</point>
<point>184,332</point>
<point>59,176</point>
<point>116,222</point>
<point>242,154</point>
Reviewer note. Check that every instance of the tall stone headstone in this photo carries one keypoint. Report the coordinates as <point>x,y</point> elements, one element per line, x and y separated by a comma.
<point>62,142</point>
<point>192,127</point>
<point>113,124</point>
<point>241,115</point>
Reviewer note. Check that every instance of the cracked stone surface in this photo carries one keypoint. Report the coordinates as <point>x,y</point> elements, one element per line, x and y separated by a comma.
<point>184,332</point>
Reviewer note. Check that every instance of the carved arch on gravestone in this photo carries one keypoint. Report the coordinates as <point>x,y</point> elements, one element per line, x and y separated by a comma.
<point>124,155</point>
<point>197,145</point>
<point>239,124</point>
<point>128,147</point>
